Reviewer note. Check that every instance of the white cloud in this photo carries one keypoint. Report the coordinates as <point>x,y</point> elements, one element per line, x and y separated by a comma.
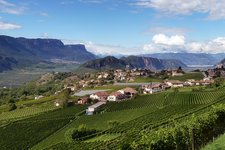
<point>160,44</point>
<point>214,8</point>
<point>8,26</point>
<point>105,49</point>
<point>10,8</point>
<point>168,40</point>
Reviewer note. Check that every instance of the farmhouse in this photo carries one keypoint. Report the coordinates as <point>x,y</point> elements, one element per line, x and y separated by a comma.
<point>152,88</point>
<point>101,96</point>
<point>174,83</point>
<point>93,108</point>
<point>116,96</point>
<point>177,73</point>
<point>130,92</point>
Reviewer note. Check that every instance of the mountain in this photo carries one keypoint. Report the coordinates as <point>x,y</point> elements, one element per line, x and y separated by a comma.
<point>111,62</point>
<point>190,59</point>
<point>6,63</point>
<point>26,51</point>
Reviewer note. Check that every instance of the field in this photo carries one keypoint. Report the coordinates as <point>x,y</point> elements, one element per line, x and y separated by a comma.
<point>26,133</point>
<point>144,113</point>
<point>147,79</point>
<point>190,75</point>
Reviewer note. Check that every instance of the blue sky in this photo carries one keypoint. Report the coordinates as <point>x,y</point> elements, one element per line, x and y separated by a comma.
<point>120,26</point>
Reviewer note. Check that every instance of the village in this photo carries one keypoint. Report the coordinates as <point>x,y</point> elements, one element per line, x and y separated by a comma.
<point>97,98</point>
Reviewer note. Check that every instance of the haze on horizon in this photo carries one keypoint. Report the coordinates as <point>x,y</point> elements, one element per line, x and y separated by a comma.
<point>120,26</point>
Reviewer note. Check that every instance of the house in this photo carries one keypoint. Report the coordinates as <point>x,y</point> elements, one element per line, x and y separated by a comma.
<point>101,96</point>
<point>177,73</point>
<point>130,92</point>
<point>174,83</point>
<point>83,100</point>
<point>116,96</point>
<point>152,88</point>
<point>93,108</point>
<point>202,82</point>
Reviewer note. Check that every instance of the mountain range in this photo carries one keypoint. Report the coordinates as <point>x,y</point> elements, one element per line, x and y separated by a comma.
<point>191,59</point>
<point>20,52</point>
<point>27,51</point>
<point>111,62</point>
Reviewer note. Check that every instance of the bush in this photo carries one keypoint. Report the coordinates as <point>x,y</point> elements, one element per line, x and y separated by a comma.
<point>78,133</point>
<point>12,106</point>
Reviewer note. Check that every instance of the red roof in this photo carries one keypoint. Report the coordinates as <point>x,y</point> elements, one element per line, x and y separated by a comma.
<point>102,94</point>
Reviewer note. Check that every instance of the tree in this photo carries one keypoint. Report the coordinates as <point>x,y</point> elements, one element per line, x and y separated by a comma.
<point>65,96</point>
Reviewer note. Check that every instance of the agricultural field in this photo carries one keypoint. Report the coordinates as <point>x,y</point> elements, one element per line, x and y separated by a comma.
<point>188,75</point>
<point>115,123</point>
<point>147,79</point>
<point>28,132</point>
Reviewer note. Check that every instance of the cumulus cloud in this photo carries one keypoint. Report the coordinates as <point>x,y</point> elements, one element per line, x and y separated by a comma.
<point>168,40</point>
<point>10,8</point>
<point>8,26</point>
<point>162,43</point>
<point>104,49</point>
<point>214,8</point>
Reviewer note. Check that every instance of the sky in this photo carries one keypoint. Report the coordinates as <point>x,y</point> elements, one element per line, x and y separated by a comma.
<point>114,27</point>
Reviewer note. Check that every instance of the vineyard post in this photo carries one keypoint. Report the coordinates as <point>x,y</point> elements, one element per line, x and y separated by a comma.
<point>193,139</point>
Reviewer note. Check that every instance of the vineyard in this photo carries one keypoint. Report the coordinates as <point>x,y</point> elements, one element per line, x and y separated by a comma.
<point>166,99</point>
<point>132,117</point>
<point>26,133</point>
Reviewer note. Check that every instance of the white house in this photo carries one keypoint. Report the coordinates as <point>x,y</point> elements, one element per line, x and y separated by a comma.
<point>115,96</point>
<point>152,88</point>
<point>174,83</point>
<point>101,96</point>
<point>130,92</point>
<point>91,109</point>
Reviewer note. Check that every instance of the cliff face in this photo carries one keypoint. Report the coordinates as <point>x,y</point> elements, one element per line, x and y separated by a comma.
<point>26,51</point>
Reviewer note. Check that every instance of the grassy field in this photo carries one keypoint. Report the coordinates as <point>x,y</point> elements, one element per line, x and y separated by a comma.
<point>147,79</point>
<point>192,75</point>
<point>218,144</point>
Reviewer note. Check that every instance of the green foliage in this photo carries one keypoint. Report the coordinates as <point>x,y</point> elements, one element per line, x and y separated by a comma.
<point>198,131</point>
<point>12,106</point>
